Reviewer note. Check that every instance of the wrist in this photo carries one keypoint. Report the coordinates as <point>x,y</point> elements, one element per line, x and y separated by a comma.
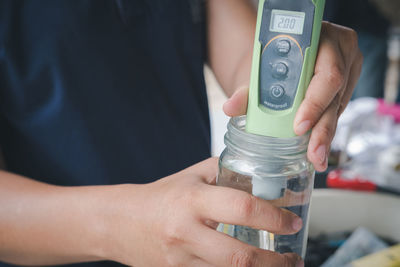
<point>117,216</point>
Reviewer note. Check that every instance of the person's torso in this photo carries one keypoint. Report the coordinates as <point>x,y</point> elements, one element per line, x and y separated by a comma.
<point>102,92</point>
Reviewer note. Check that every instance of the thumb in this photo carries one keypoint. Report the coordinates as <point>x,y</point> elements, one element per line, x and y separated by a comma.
<point>237,104</point>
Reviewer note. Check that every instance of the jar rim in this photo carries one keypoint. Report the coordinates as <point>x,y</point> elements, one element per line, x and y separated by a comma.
<point>238,138</point>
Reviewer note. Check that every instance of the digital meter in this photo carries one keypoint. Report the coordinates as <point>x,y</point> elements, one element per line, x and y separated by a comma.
<point>285,48</point>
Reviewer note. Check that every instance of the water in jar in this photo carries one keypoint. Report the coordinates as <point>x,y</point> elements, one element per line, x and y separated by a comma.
<point>289,191</point>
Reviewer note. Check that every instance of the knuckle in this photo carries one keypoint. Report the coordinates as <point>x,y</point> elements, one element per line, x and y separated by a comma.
<point>243,258</point>
<point>246,206</point>
<point>352,38</point>
<point>173,235</point>
<point>279,219</point>
<point>287,261</point>
<point>349,43</point>
<point>326,130</point>
<point>335,77</point>
<point>190,197</point>
<point>172,260</point>
<point>327,26</point>
<point>336,103</point>
<point>340,109</point>
<point>316,107</point>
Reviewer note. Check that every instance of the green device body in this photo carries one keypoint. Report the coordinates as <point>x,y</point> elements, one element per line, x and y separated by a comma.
<point>285,49</point>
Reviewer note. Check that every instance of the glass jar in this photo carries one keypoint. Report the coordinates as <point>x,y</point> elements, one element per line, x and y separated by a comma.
<point>274,169</point>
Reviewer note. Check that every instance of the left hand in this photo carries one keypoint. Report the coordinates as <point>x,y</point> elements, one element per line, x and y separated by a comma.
<point>337,69</point>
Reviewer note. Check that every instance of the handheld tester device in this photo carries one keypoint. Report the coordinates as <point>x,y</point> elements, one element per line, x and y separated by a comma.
<point>285,49</point>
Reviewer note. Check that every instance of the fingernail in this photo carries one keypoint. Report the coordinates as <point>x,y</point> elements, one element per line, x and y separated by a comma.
<point>321,153</point>
<point>300,263</point>
<point>303,127</point>
<point>230,99</point>
<point>234,94</point>
<point>297,224</point>
<point>225,104</point>
<point>326,162</point>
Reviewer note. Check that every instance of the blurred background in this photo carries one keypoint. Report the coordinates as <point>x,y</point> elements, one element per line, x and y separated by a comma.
<point>362,184</point>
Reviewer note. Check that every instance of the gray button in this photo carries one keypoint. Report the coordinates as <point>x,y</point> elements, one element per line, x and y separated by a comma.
<point>283,47</point>
<point>277,91</point>
<point>280,70</point>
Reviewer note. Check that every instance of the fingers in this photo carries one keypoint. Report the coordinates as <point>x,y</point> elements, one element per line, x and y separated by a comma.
<point>317,100</point>
<point>337,70</point>
<point>322,136</point>
<point>237,207</point>
<point>329,79</point>
<point>223,250</point>
<point>323,132</point>
<point>237,104</point>
<point>321,104</point>
<point>355,72</point>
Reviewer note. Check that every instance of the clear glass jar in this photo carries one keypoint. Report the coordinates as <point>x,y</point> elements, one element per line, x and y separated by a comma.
<point>275,169</point>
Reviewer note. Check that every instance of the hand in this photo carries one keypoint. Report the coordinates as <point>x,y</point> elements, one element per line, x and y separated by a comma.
<point>172,222</point>
<point>337,70</point>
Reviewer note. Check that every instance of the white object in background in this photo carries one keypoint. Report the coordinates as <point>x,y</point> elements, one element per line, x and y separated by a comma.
<point>389,166</point>
<point>363,133</point>
<point>333,210</point>
<point>219,121</point>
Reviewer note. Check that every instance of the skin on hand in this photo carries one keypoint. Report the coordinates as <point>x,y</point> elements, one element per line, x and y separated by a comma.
<point>178,223</point>
<point>337,69</point>
<point>170,222</point>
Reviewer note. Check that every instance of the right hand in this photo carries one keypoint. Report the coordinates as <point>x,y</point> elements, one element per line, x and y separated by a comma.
<point>172,222</point>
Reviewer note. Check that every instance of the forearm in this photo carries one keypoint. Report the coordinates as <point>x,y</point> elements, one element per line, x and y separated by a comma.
<point>41,224</point>
<point>231,26</point>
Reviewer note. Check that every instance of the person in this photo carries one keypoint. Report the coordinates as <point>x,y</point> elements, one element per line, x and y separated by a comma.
<point>105,131</point>
<point>372,28</point>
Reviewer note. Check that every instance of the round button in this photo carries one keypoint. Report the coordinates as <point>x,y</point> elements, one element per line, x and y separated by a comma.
<point>277,91</point>
<point>280,70</point>
<point>283,47</point>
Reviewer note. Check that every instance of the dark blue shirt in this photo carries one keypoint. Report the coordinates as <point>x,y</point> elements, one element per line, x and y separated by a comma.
<point>102,92</point>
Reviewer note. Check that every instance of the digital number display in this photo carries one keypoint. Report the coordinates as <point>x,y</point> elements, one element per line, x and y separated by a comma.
<point>287,21</point>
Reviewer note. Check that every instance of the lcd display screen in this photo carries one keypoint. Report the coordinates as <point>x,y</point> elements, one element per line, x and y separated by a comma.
<point>287,21</point>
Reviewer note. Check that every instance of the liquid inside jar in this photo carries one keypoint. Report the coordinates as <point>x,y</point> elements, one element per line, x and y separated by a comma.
<point>291,190</point>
